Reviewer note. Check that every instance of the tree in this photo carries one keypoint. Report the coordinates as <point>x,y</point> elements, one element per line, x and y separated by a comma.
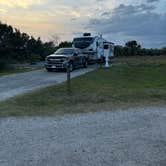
<point>65,44</point>
<point>16,46</point>
<point>118,50</point>
<point>133,46</point>
<point>56,39</point>
<point>48,48</point>
<point>163,51</point>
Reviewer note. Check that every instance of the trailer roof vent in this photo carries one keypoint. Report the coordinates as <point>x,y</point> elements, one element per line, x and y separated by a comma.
<point>87,34</point>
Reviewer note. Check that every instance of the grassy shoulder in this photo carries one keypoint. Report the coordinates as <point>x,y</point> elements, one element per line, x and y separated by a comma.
<point>15,70</point>
<point>129,82</point>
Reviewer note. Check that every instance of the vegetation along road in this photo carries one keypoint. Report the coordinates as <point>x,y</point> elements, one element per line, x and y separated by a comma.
<point>130,82</point>
<point>15,84</point>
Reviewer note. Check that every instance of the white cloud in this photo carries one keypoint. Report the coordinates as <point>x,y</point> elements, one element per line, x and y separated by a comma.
<point>131,19</point>
<point>19,3</point>
<point>132,22</point>
<point>2,11</point>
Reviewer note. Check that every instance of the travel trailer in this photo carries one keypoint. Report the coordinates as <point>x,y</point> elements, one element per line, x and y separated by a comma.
<point>93,47</point>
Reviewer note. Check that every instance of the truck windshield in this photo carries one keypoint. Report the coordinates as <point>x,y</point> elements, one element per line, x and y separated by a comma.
<point>64,51</point>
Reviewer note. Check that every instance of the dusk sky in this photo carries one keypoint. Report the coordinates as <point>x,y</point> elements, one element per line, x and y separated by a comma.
<point>118,20</point>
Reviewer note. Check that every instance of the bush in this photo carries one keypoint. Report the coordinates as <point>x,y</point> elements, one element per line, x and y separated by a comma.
<point>34,58</point>
<point>3,64</point>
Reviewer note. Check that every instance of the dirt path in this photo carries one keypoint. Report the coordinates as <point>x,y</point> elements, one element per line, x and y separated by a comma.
<point>15,84</point>
<point>135,137</point>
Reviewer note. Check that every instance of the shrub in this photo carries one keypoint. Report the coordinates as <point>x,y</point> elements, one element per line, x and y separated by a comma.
<point>3,64</point>
<point>34,58</point>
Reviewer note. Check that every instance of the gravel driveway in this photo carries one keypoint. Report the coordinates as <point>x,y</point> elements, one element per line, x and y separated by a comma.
<point>135,137</point>
<point>15,84</point>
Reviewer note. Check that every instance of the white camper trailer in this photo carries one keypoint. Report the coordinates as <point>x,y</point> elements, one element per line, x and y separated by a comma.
<point>93,47</point>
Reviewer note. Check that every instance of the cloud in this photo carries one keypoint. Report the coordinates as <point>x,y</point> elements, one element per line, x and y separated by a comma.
<point>19,3</point>
<point>133,22</point>
<point>99,0</point>
<point>130,9</point>
<point>2,11</point>
<point>122,22</point>
<point>151,1</point>
<point>40,18</point>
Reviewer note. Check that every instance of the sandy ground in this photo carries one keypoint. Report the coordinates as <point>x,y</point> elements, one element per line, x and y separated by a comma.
<point>134,137</point>
<point>15,84</point>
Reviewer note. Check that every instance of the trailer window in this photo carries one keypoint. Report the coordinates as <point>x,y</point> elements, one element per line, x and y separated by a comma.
<point>83,42</point>
<point>83,39</point>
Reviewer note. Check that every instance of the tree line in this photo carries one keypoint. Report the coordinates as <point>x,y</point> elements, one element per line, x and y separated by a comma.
<point>132,48</point>
<point>16,47</point>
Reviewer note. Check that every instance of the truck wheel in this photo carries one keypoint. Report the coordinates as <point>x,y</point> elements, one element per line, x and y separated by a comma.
<point>85,64</point>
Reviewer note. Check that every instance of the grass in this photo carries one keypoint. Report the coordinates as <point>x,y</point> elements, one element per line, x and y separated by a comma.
<point>130,82</point>
<point>14,70</point>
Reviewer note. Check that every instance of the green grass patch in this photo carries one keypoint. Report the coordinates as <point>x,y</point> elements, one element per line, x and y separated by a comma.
<point>14,70</point>
<point>128,83</point>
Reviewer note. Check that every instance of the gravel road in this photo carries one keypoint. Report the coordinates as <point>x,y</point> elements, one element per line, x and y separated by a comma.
<point>134,137</point>
<point>15,84</point>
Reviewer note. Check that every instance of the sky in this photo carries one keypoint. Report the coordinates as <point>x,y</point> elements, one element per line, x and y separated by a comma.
<point>118,20</point>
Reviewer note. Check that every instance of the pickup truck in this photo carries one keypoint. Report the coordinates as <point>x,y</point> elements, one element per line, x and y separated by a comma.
<point>64,57</point>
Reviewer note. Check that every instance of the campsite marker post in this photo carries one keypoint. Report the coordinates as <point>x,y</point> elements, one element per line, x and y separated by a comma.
<point>68,79</point>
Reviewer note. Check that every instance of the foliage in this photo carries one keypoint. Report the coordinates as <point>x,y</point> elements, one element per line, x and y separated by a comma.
<point>134,81</point>
<point>163,50</point>
<point>20,47</point>
<point>65,44</point>
<point>132,48</point>
<point>3,64</point>
<point>16,46</point>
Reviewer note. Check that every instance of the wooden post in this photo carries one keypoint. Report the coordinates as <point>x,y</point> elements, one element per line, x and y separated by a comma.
<point>100,63</point>
<point>68,79</point>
